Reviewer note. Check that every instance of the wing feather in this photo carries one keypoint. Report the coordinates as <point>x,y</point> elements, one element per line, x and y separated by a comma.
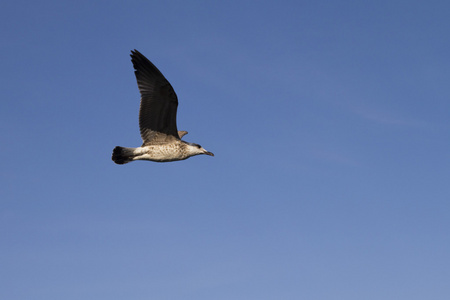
<point>159,103</point>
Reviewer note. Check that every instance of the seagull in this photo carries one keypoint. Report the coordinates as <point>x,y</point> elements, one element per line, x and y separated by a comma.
<point>157,119</point>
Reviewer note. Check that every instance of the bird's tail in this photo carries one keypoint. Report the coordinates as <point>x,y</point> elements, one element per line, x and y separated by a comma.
<point>122,155</point>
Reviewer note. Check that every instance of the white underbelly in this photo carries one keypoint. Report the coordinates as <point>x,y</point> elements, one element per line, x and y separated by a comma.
<point>158,153</point>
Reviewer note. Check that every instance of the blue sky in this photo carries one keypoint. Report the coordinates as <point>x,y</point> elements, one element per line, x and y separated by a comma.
<point>330,125</point>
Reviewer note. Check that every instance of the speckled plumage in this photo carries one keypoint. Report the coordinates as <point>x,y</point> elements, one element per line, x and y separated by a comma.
<point>157,119</point>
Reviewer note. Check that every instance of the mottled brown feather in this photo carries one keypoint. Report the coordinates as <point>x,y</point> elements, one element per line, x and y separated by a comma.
<point>158,109</point>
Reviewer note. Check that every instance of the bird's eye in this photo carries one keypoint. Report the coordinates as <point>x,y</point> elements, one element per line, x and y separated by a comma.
<point>198,146</point>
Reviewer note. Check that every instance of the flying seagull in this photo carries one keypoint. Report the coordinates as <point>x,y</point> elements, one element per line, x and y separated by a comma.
<point>157,119</point>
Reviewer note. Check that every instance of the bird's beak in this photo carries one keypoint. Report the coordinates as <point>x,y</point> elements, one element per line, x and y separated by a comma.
<point>209,153</point>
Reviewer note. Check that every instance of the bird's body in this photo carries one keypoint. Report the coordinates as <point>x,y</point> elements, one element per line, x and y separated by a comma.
<point>176,150</point>
<point>157,120</point>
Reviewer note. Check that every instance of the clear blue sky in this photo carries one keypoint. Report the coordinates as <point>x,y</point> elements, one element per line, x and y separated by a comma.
<point>330,125</point>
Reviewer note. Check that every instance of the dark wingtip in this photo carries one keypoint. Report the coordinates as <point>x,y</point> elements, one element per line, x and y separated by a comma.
<point>135,53</point>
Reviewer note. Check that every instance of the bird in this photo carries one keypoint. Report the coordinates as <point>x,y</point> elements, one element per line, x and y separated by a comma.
<point>157,119</point>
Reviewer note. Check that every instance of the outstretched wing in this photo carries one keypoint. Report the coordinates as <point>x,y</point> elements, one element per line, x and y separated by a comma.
<point>158,110</point>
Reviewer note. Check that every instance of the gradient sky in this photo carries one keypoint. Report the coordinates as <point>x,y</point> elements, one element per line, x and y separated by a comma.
<point>330,125</point>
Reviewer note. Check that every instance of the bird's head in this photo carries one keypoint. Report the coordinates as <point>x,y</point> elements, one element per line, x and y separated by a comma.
<point>196,149</point>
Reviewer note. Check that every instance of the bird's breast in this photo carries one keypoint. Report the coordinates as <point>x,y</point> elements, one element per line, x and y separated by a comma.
<point>160,153</point>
